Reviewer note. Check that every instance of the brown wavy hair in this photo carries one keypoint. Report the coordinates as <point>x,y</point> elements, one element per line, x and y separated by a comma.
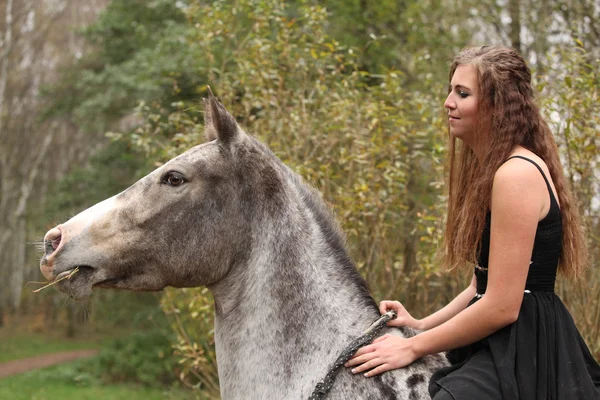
<point>507,117</point>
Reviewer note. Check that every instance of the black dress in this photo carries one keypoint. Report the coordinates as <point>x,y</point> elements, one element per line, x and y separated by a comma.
<point>540,356</point>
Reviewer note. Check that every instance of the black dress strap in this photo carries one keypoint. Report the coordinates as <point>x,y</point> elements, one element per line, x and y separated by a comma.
<point>537,166</point>
<point>553,201</point>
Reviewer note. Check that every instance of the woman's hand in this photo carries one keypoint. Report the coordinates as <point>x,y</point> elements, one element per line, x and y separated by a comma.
<point>386,353</point>
<point>403,318</point>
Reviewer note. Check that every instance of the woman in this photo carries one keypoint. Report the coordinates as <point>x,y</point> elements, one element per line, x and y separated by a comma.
<point>508,335</point>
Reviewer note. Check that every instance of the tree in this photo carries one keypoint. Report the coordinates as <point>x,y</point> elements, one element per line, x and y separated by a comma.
<point>35,29</point>
<point>7,47</point>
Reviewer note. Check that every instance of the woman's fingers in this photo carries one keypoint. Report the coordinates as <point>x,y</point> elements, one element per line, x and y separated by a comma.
<point>363,350</point>
<point>387,305</point>
<point>378,370</point>
<point>386,353</point>
<point>360,359</point>
<point>367,366</point>
<point>365,353</point>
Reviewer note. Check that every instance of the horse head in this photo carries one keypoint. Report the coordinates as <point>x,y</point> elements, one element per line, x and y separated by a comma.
<point>185,224</point>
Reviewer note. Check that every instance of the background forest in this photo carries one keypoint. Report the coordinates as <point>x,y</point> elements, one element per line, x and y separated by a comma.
<point>96,93</point>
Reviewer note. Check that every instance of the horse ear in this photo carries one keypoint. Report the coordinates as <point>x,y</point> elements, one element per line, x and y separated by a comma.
<point>218,123</point>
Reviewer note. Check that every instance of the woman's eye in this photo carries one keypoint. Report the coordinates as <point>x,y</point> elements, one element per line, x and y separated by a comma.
<point>174,179</point>
<point>463,94</point>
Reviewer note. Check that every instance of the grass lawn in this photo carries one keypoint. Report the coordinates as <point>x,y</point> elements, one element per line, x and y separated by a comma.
<point>18,339</point>
<point>78,380</point>
<point>69,382</point>
<point>26,344</point>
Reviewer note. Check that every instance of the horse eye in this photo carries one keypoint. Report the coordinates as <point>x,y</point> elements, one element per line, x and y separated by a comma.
<point>174,179</point>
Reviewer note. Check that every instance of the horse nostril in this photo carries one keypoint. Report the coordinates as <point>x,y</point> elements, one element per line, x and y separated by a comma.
<point>56,242</point>
<point>52,241</point>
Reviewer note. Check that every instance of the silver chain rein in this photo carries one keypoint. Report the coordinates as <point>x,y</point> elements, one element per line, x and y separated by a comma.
<point>323,386</point>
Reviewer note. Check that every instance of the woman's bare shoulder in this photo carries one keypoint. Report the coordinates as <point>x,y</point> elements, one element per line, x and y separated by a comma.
<point>518,183</point>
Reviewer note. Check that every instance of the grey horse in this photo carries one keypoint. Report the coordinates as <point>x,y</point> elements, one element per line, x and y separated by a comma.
<point>229,215</point>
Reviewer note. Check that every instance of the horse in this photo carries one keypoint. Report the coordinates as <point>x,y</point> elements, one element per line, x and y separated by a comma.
<point>229,215</point>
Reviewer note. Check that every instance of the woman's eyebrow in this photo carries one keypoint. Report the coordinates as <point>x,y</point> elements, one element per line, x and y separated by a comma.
<point>459,86</point>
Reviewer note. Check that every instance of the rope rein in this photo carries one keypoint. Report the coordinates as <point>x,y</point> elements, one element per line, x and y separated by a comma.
<point>323,386</point>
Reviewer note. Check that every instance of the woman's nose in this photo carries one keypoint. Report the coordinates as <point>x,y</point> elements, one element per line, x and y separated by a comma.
<point>449,103</point>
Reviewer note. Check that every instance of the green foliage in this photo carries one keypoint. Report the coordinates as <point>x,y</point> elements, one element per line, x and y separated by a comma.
<point>126,310</point>
<point>190,313</point>
<point>572,102</point>
<point>108,172</point>
<point>419,38</point>
<point>142,49</point>
<point>574,94</point>
<point>76,374</point>
<point>130,26</point>
<point>145,358</point>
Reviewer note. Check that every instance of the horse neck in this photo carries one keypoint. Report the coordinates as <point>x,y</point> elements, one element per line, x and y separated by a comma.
<point>288,311</point>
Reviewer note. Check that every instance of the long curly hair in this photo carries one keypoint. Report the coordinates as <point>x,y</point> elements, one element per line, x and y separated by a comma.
<point>507,116</point>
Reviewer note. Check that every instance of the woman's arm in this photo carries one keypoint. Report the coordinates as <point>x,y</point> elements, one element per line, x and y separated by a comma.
<point>404,318</point>
<point>457,305</point>
<point>518,196</point>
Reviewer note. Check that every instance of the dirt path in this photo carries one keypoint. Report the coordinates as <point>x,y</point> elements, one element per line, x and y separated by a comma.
<point>27,364</point>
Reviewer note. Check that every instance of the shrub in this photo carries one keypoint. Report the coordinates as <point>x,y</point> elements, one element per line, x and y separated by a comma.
<point>146,358</point>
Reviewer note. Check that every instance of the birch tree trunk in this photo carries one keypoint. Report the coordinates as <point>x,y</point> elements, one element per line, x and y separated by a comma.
<point>5,60</point>
<point>33,154</point>
<point>514,9</point>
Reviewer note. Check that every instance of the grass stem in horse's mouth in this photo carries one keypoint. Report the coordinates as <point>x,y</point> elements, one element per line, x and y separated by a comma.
<point>60,277</point>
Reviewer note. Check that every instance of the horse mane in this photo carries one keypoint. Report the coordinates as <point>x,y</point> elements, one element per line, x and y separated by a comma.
<point>336,239</point>
<point>332,233</point>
